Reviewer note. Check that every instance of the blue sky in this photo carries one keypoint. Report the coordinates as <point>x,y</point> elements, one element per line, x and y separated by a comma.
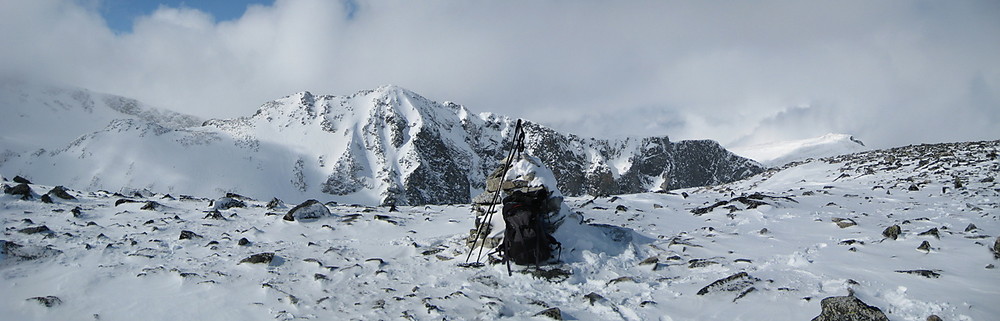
<point>120,14</point>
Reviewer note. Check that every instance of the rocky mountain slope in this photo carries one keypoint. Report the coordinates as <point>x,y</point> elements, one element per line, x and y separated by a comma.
<point>905,233</point>
<point>387,145</point>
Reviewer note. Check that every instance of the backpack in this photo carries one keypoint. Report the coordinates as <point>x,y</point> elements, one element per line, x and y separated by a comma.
<point>526,238</point>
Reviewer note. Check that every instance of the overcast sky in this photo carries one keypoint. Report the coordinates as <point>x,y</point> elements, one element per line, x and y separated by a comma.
<point>890,72</point>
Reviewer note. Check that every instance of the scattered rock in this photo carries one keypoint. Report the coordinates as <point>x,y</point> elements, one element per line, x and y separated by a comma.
<point>913,188</point>
<point>77,211</point>
<point>47,301</point>
<point>621,208</point>
<point>971,227</point>
<point>699,263</point>
<point>848,308</point>
<point>764,231</point>
<point>16,252</point>
<point>21,180</point>
<point>186,235</point>
<point>308,210</point>
<point>892,232</point>
<point>243,242</point>
<point>650,260</point>
<point>124,201</point>
<point>214,215</point>
<point>933,232</point>
<point>35,230</point>
<point>933,274</point>
<point>20,189</point>
<point>151,206</point>
<point>259,258</point>
<point>996,247</point>
<point>225,203</point>
<point>844,222</point>
<point>552,313</point>
<point>61,192</point>
<point>933,317</point>
<point>46,199</point>
<point>593,297</point>
<point>275,203</point>
<point>925,246</point>
<point>736,282</point>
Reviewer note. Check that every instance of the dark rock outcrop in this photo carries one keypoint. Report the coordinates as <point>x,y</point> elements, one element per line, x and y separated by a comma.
<point>259,258</point>
<point>187,235</point>
<point>225,203</point>
<point>21,180</point>
<point>739,282</point>
<point>22,190</point>
<point>892,232</point>
<point>47,301</point>
<point>848,308</point>
<point>61,192</point>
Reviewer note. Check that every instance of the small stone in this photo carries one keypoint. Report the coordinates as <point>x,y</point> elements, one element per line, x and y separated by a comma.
<point>214,215</point>
<point>552,313</point>
<point>46,199</point>
<point>925,246</point>
<point>621,208</point>
<point>259,258</point>
<point>844,222</point>
<point>60,192</point>
<point>35,229</point>
<point>933,317</point>
<point>764,231</point>
<point>21,180</point>
<point>47,301</point>
<point>650,260</point>
<point>243,242</point>
<point>151,206</point>
<point>924,273</point>
<point>971,227</point>
<point>892,232</point>
<point>932,232</point>
<point>186,235</point>
<point>914,188</point>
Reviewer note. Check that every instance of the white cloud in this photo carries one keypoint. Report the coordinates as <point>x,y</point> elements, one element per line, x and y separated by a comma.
<point>893,73</point>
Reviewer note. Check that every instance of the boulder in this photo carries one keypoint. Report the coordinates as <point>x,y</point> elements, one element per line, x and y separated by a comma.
<point>892,232</point>
<point>551,313</point>
<point>187,235</point>
<point>844,222</point>
<point>848,308</point>
<point>275,203</point>
<point>225,203</point>
<point>60,192</point>
<point>16,252</point>
<point>21,180</point>
<point>259,258</point>
<point>308,210</point>
<point>733,283</point>
<point>47,301</point>
<point>22,190</point>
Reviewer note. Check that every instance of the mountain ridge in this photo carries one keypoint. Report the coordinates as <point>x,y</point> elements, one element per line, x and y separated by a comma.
<point>386,145</point>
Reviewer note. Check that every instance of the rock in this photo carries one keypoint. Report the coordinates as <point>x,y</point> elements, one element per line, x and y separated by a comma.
<point>61,192</point>
<point>15,252</point>
<point>21,180</point>
<point>243,242</point>
<point>933,232</point>
<point>225,203</point>
<point>259,258</point>
<point>930,274</point>
<point>650,260</point>
<point>35,229</point>
<point>733,283</point>
<point>913,188</point>
<point>621,208</point>
<point>552,313</point>
<point>925,246</point>
<point>187,235</point>
<point>892,232</point>
<point>22,190</point>
<point>848,308</point>
<point>308,210</point>
<point>77,211</point>
<point>971,227</point>
<point>214,215</point>
<point>47,301</point>
<point>933,317</point>
<point>844,222</point>
<point>275,203</point>
<point>764,231</point>
<point>996,246</point>
<point>46,199</point>
<point>151,206</point>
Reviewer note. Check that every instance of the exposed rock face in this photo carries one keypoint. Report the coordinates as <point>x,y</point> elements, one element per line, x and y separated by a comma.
<point>308,210</point>
<point>387,146</point>
<point>848,308</point>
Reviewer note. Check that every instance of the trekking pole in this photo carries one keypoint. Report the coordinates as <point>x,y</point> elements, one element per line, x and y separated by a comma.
<point>488,217</point>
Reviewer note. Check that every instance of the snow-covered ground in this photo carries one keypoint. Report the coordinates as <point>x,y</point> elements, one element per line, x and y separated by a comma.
<point>780,153</point>
<point>815,230</point>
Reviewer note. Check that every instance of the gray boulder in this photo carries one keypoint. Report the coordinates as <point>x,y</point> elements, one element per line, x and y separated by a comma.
<point>308,210</point>
<point>848,308</point>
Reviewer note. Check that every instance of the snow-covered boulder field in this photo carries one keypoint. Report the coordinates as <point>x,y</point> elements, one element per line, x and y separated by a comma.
<point>910,232</point>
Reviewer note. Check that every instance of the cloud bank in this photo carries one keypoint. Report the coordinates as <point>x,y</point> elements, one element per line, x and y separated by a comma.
<point>891,72</point>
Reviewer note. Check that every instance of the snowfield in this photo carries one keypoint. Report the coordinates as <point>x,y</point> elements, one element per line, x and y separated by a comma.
<point>771,247</point>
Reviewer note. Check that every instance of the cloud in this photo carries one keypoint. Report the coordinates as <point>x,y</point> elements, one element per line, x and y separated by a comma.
<point>892,73</point>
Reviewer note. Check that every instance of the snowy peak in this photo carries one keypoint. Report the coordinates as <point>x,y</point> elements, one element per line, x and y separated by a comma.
<point>779,153</point>
<point>382,146</point>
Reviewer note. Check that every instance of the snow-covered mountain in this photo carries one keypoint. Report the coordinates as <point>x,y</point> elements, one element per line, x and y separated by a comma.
<point>909,232</point>
<point>780,153</point>
<point>37,117</point>
<point>387,145</point>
